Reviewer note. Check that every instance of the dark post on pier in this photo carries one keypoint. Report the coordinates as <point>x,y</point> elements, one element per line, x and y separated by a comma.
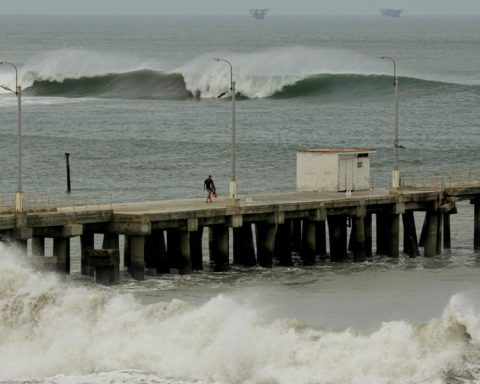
<point>67,162</point>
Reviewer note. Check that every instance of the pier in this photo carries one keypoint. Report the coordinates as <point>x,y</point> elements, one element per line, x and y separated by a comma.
<point>264,230</point>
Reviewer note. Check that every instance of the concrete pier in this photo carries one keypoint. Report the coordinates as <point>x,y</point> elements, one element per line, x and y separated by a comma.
<point>168,236</point>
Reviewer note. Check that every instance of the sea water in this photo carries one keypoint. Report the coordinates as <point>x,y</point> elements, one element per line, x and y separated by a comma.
<point>134,101</point>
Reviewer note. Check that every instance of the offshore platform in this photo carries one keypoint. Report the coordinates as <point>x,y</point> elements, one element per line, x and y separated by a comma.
<point>259,14</point>
<point>389,12</point>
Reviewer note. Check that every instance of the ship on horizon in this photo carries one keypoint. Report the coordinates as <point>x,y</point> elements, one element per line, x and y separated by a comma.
<point>258,14</point>
<point>390,12</point>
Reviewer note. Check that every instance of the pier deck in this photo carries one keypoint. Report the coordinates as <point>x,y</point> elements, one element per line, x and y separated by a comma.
<point>167,235</point>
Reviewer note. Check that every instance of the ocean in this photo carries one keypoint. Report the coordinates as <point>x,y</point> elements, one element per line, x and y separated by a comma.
<point>134,101</point>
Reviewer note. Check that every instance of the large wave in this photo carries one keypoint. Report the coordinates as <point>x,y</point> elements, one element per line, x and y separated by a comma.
<point>280,72</point>
<point>71,334</point>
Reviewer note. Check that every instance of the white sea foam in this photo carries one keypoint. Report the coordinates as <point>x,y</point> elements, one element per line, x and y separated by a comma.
<point>59,333</point>
<point>262,74</point>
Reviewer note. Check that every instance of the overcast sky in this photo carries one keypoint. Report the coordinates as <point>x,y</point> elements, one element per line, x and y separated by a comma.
<point>226,7</point>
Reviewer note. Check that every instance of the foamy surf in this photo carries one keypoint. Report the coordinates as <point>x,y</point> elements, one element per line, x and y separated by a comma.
<point>53,332</point>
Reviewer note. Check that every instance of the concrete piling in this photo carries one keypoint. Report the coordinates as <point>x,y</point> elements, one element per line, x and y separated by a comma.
<point>358,234</point>
<point>321,239</point>
<point>137,249</point>
<point>476,223</point>
<point>431,220</point>
<point>185,259</point>
<point>337,229</point>
<point>265,234</point>
<point>446,231</point>
<point>196,253</point>
<point>410,241</point>
<point>106,263</point>
<point>38,246</point>
<point>87,244</point>
<point>220,244</point>
<point>309,232</point>
<point>61,250</point>
<point>243,246</point>
<point>368,234</point>
<point>283,244</point>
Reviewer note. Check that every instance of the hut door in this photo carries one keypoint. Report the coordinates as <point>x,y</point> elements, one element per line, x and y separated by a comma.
<point>345,174</point>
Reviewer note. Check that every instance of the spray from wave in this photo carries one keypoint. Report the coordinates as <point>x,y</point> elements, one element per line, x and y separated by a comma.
<point>56,333</point>
<point>280,73</point>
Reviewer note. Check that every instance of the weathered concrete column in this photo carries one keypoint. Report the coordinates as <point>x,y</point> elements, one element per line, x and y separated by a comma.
<point>283,244</point>
<point>38,246</point>
<point>265,243</point>
<point>394,235</point>
<point>476,223</point>
<point>308,242</point>
<point>431,219</point>
<point>337,229</point>
<point>446,231</point>
<point>358,233</point>
<point>87,244</point>
<point>382,231</point>
<point>439,233</point>
<point>137,249</point>
<point>196,252</point>
<point>173,247</point>
<point>110,241</point>
<point>321,239</point>
<point>296,235</point>
<point>368,234</point>
<point>106,263</point>
<point>220,247</point>
<point>61,250</point>
<point>149,252</point>
<point>423,234</point>
<point>184,260</point>
<point>212,247</point>
<point>410,242</point>
<point>243,246</point>
<point>127,252</point>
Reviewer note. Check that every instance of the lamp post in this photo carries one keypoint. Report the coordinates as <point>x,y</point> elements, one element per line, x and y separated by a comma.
<point>395,171</point>
<point>233,200</point>
<point>18,93</point>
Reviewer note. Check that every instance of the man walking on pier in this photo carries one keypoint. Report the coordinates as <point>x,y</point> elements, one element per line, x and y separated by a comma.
<point>209,186</point>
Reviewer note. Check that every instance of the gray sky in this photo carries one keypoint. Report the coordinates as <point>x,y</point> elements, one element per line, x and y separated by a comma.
<point>212,7</point>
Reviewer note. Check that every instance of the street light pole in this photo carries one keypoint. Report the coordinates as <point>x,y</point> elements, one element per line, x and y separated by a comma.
<point>18,93</point>
<point>395,171</point>
<point>233,200</point>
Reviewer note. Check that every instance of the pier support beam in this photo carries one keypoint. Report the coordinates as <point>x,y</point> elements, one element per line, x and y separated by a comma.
<point>87,244</point>
<point>243,246</point>
<point>476,223</point>
<point>410,241</point>
<point>321,239</point>
<point>296,235</point>
<point>110,241</point>
<point>382,233</point>
<point>446,231</point>
<point>337,229</point>
<point>394,235</point>
<point>184,260</point>
<point>309,232</point>
<point>106,263</point>
<point>368,234</point>
<point>173,247</point>
<point>265,233</point>
<point>38,246</point>
<point>358,236</point>
<point>137,249</point>
<point>431,225</point>
<point>283,244</point>
<point>61,250</point>
<point>219,247</point>
<point>196,252</point>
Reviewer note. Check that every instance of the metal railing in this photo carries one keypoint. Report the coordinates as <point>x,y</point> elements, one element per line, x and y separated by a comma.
<point>444,178</point>
<point>41,202</point>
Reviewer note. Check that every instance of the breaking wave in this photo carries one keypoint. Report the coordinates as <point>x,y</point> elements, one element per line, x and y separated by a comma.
<point>148,84</point>
<point>278,72</point>
<point>51,332</point>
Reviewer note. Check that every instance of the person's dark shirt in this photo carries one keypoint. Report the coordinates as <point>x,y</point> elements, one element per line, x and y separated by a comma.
<point>209,184</point>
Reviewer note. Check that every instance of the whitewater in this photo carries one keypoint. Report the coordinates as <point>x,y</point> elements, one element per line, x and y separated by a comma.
<point>49,327</point>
